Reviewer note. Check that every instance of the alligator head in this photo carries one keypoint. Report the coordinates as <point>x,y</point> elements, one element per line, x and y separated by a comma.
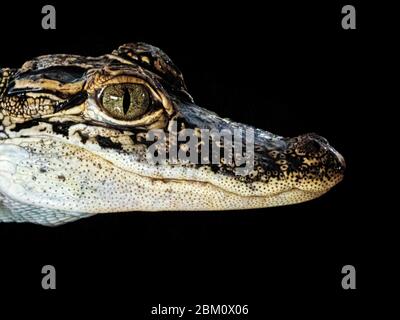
<point>74,141</point>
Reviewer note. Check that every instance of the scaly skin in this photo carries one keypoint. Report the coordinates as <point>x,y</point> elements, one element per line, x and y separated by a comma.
<point>63,156</point>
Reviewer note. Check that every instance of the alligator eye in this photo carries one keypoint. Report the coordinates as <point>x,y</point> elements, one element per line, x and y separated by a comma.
<point>125,101</point>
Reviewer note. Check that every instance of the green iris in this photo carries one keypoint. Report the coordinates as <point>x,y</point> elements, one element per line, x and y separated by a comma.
<point>125,101</point>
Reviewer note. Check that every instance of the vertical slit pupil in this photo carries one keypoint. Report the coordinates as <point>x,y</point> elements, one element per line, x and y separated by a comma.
<point>126,101</point>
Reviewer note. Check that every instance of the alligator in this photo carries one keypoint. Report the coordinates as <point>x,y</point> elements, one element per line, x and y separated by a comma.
<point>74,143</point>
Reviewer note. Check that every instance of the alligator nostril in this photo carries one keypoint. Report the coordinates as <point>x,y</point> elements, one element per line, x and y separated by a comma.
<point>317,138</point>
<point>314,143</point>
<point>313,146</point>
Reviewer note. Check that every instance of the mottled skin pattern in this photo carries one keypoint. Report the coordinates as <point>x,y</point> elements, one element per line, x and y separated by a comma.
<point>63,157</point>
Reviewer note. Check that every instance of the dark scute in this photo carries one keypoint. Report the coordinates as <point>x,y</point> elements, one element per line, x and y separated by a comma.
<point>76,100</point>
<point>25,125</point>
<point>64,74</point>
<point>62,127</point>
<point>107,143</point>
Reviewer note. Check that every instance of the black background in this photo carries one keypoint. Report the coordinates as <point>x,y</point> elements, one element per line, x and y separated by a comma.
<point>289,69</point>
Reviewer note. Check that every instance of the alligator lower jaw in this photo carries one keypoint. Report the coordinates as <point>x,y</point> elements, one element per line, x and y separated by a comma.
<point>12,209</point>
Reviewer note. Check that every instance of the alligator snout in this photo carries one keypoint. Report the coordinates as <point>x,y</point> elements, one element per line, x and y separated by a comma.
<point>311,163</point>
<point>315,144</point>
